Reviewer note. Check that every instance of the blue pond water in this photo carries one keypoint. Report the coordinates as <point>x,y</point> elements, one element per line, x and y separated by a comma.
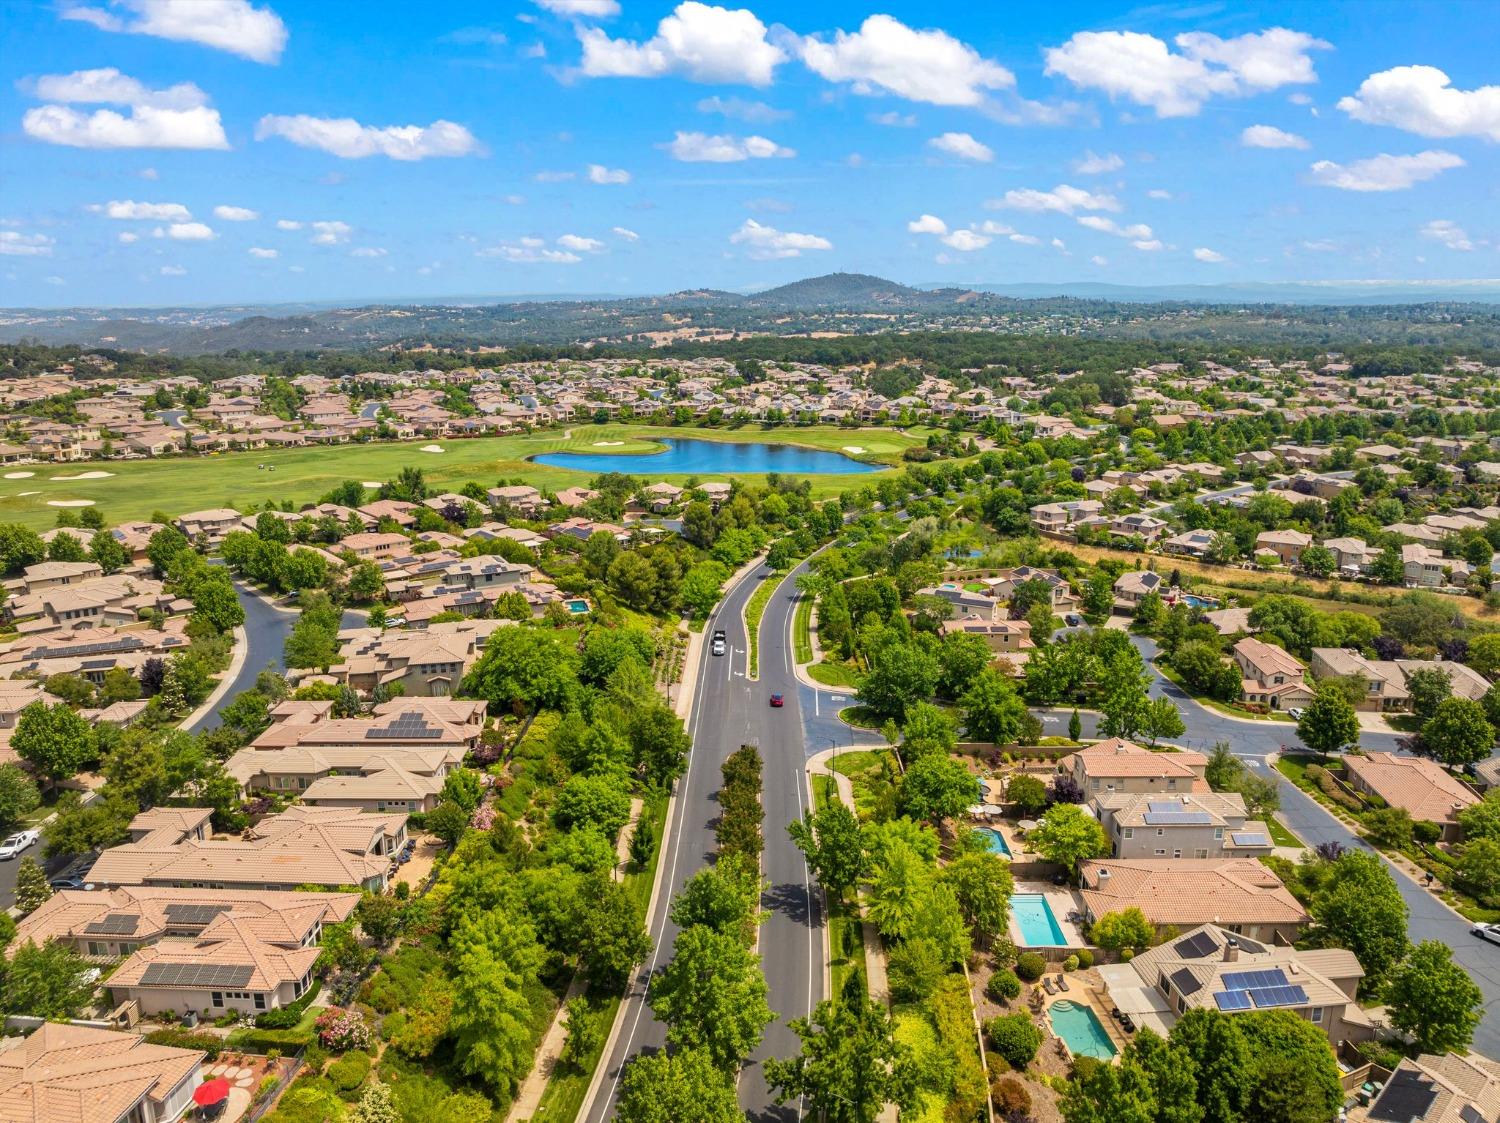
<point>703,458</point>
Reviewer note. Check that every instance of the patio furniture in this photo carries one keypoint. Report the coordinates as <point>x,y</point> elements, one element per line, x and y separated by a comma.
<point>1047,982</point>
<point>1062,983</point>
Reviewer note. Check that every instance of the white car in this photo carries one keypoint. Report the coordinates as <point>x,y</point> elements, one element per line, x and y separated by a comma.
<point>18,842</point>
<point>1295,713</point>
<point>1490,932</point>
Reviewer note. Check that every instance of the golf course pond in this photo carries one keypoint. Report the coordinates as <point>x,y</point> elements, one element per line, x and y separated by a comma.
<point>703,458</point>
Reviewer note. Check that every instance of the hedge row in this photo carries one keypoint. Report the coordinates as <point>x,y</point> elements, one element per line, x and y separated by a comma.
<point>739,829</point>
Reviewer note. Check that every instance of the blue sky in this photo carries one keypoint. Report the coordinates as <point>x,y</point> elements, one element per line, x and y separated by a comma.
<point>201,151</point>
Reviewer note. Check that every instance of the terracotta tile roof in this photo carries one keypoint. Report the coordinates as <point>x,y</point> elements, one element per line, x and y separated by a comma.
<point>1118,758</point>
<point>1189,892</point>
<point>73,1074</point>
<point>1424,788</point>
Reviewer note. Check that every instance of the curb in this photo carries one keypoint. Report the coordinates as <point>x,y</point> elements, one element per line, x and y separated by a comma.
<point>226,680</point>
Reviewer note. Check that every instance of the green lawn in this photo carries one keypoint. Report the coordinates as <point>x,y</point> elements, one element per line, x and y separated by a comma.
<point>861,717</point>
<point>802,630</point>
<point>1280,835</point>
<point>755,608</point>
<point>834,674</point>
<point>915,1030</point>
<point>136,488</point>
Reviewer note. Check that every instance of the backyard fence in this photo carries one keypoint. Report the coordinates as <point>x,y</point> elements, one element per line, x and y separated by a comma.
<point>289,1066</point>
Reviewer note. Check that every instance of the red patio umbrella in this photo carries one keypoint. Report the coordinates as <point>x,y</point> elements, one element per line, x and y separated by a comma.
<point>211,1092</point>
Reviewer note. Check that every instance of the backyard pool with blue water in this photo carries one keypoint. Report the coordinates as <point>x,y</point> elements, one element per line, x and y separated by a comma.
<point>1034,917</point>
<point>1081,1030</point>
<point>995,841</point>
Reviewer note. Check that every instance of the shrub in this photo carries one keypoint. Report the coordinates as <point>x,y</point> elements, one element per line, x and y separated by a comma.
<point>209,1043</point>
<point>264,1040</point>
<point>283,1017</point>
<point>340,1030</point>
<point>1030,966</point>
<point>1127,955</point>
<point>1015,1037</point>
<point>1012,1100</point>
<point>1085,957</point>
<point>1426,832</point>
<point>1003,986</point>
<point>1071,963</point>
<point>349,1072</point>
<point>266,1086</point>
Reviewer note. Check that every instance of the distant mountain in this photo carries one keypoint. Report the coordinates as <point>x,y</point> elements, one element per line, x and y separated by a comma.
<point>837,304</point>
<point>841,290</point>
<point>1254,292</point>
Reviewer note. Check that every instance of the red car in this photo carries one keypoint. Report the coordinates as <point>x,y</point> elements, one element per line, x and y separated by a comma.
<point>777,701</point>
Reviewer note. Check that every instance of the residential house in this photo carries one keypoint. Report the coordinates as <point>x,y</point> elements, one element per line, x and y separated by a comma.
<point>1055,518</point>
<point>1271,676</point>
<point>1003,586</point>
<point>327,846</point>
<point>109,924</point>
<point>213,523</point>
<point>80,1074</point>
<point>521,498</point>
<point>1426,790</point>
<point>1439,1088</point>
<point>1385,686</point>
<point>1215,968</point>
<point>1352,555</point>
<point>374,546</point>
<point>1194,543</point>
<point>1426,568</point>
<point>426,663</point>
<point>1001,635</point>
<point>1189,825</point>
<point>970,603</point>
<point>1147,527</point>
<point>1135,585</point>
<point>1287,545</point>
<point>1117,765</point>
<point>1239,894</point>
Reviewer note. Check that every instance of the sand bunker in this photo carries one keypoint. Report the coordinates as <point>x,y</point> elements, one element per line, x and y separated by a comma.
<point>84,476</point>
<point>431,448</point>
<point>369,483</point>
<point>23,494</point>
<point>69,502</point>
<point>606,444</point>
<point>19,475</point>
<point>855,449</point>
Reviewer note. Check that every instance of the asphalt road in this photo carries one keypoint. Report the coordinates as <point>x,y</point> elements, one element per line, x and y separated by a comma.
<point>729,710</point>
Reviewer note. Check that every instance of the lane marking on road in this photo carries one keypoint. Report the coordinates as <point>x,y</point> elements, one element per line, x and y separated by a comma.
<point>681,812</point>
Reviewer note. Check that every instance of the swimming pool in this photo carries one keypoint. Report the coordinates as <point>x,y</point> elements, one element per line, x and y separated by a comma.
<point>1199,602</point>
<point>577,607</point>
<point>1081,1030</point>
<point>995,841</point>
<point>1039,928</point>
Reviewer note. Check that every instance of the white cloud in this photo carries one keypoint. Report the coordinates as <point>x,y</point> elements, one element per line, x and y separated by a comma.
<point>529,251</point>
<point>965,241</point>
<point>553,177</point>
<point>1448,233</point>
<point>1269,136</point>
<point>259,251</point>
<point>514,200</point>
<point>1137,231</point>
<point>1098,260</point>
<point>886,56</point>
<point>55,280</point>
<point>1143,69</point>
<point>127,237</point>
<point>894,120</point>
<point>1421,100</point>
<point>598,173</point>
<point>185,232</point>
<point>150,173</point>
<point>1149,245</point>
<point>1091,164</point>
<point>927,224</point>
<point>15,244</point>
<point>129,209</point>
<point>697,41</point>
<point>1384,172</point>
<point>173,271</point>
<point>740,109</point>
<point>1203,253</point>
<point>1321,245</point>
<point>347,138</point>
<point>1025,239</point>
<point>583,9</point>
<point>1158,193</point>
<point>580,244</point>
<point>1063,198</point>
<point>107,86</point>
<point>765,243</point>
<point>623,233</point>
<point>963,147</point>
<point>145,127</point>
<point>368,251</point>
<point>330,232</point>
<point>698,148</point>
<point>288,224</point>
<point>1059,244</point>
<point>235,214</point>
<point>236,26</point>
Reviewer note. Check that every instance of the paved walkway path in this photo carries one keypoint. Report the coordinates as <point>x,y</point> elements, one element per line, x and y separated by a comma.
<point>529,1097</point>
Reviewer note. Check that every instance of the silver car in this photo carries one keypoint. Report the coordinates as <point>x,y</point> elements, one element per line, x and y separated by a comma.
<point>14,845</point>
<point>1490,932</point>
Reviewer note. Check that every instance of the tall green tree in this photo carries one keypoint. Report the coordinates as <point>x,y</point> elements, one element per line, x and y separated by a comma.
<point>1328,723</point>
<point>1433,999</point>
<point>54,739</point>
<point>712,996</point>
<point>724,897</point>
<point>683,1087</point>
<point>46,982</point>
<point>1067,835</point>
<point>1222,1063</point>
<point>1360,908</point>
<point>495,957</point>
<point>1458,732</point>
<point>851,1065</point>
<point>830,839</point>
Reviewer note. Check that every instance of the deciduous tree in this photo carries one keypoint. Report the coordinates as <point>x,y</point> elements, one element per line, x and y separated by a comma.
<point>1433,999</point>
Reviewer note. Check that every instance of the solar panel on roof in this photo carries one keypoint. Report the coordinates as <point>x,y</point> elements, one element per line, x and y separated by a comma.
<point>1196,946</point>
<point>196,975</point>
<point>1232,1000</point>
<point>114,924</point>
<point>1407,1096</point>
<point>1470,1114</point>
<point>1249,980</point>
<point>1242,838</point>
<point>1266,997</point>
<point>1185,981</point>
<point>193,914</point>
